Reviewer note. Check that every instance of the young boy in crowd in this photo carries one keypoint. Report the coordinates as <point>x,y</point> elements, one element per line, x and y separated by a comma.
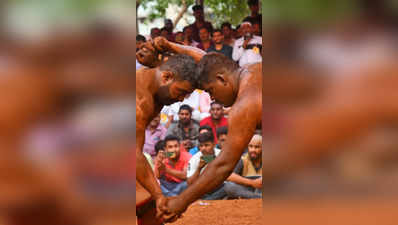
<point>202,129</point>
<point>221,136</point>
<point>207,153</point>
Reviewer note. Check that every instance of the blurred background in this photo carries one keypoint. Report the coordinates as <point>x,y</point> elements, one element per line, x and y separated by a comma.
<point>67,117</point>
<point>309,47</point>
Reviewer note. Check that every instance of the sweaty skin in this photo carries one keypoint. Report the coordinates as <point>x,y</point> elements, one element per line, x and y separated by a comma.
<point>146,110</point>
<point>244,117</point>
<point>148,84</point>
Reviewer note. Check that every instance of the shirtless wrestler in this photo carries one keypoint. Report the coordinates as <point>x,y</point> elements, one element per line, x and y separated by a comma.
<point>233,86</point>
<point>166,83</point>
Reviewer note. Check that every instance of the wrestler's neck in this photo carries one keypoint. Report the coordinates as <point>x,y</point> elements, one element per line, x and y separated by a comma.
<point>152,83</point>
<point>239,76</point>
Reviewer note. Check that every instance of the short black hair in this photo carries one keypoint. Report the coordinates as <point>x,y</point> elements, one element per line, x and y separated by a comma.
<point>140,38</point>
<point>252,2</point>
<point>183,66</point>
<point>159,146</point>
<point>205,29</point>
<point>213,63</point>
<point>171,137</point>
<point>185,28</point>
<point>197,7</point>
<point>216,103</point>
<point>205,127</point>
<point>185,107</point>
<point>222,131</point>
<point>164,28</point>
<point>226,24</point>
<point>206,137</point>
<point>216,30</point>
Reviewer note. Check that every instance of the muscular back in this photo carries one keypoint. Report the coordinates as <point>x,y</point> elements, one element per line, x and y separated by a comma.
<point>250,92</point>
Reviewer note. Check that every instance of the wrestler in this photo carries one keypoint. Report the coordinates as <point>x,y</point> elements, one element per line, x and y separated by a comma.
<point>233,86</point>
<point>172,81</point>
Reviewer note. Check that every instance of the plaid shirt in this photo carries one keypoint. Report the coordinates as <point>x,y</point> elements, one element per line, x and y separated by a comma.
<point>177,130</point>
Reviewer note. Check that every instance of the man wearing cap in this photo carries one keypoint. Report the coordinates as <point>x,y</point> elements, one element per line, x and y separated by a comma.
<point>199,22</point>
<point>247,49</point>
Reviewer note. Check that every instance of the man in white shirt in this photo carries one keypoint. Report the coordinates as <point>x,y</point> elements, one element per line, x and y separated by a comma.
<point>247,49</point>
<point>198,162</point>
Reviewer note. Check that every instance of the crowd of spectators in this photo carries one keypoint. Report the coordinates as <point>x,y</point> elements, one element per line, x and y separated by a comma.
<point>178,154</point>
<point>242,44</point>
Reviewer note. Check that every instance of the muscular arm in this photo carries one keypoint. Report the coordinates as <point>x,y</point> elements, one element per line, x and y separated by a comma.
<point>195,53</point>
<point>194,177</point>
<point>242,124</point>
<point>176,173</point>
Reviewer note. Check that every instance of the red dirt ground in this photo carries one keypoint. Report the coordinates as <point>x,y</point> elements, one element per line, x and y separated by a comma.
<point>223,212</point>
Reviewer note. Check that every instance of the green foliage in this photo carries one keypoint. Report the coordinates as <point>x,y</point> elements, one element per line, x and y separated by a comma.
<point>233,11</point>
<point>158,7</point>
<point>217,11</point>
<point>55,9</point>
<point>305,11</point>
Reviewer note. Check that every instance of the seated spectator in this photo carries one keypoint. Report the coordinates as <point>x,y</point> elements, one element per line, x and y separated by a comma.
<point>193,100</point>
<point>155,32</point>
<point>188,40</point>
<point>247,49</point>
<point>171,167</point>
<point>185,128</point>
<point>205,41</point>
<point>222,133</point>
<point>228,33</point>
<point>199,22</point>
<point>198,163</point>
<point>246,180</point>
<point>140,40</point>
<point>216,118</point>
<point>202,129</point>
<point>154,133</point>
<point>159,147</point>
<point>169,27</point>
<point>254,9</point>
<point>256,28</point>
<point>164,33</point>
<point>237,33</point>
<point>218,44</point>
<point>179,38</point>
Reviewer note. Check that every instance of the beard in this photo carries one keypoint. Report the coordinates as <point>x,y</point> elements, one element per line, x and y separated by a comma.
<point>163,96</point>
<point>254,156</point>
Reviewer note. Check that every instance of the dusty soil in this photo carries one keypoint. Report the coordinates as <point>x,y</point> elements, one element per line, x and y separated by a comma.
<point>223,212</point>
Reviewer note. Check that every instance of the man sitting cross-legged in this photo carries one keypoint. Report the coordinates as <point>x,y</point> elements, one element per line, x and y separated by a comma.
<point>246,179</point>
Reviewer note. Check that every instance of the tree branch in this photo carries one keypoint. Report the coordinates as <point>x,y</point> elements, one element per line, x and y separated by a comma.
<point>181,13</point>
